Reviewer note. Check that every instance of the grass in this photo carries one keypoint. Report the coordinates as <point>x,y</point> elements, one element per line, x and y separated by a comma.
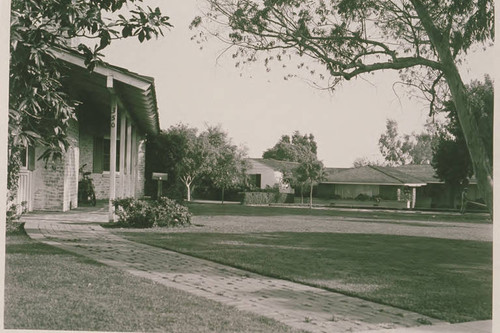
<point>445,279</point>
<point>240,210</point>
<point>48,288</point>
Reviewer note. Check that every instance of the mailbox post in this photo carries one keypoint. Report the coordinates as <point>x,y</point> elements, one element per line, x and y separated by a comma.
<point>160,177</point>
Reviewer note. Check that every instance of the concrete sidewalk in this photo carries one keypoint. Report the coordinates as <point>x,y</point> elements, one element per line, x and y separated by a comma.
<point>294,304</point>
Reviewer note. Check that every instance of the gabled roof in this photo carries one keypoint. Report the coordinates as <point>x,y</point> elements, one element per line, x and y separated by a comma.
<point>135,92</point>
<point>276,165</point>
<point>332,171</point>
<point>372,175</point>
<point>423,172</point>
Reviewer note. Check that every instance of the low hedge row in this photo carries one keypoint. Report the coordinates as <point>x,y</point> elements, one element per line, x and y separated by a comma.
<point>261,198</point>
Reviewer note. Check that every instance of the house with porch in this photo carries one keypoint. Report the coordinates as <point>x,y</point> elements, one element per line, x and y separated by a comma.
<point>117,110</point>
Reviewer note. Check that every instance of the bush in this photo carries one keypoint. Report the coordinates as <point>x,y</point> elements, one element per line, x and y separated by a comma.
<point>137,213</point>
<point>362,197</point>
<point>169,213</point>
<point>262,198</point>
<point>134,213</point>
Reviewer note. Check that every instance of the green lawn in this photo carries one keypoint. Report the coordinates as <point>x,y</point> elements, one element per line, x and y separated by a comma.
<point>242,210</point>
<point>48,288</point>
<point>446,279</point>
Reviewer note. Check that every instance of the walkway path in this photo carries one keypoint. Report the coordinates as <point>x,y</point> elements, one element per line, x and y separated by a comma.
<point>297,305</point>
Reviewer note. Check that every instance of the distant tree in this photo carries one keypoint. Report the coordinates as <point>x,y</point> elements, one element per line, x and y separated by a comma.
<point>451,159</point>
<point>364,161</point>
<point>229,164</point>
<point>291,177</point>
<point>309,172</point>
<point>183,153</point>
<point>40,109</point>
<point>294,149</point>
<point>412,148</point>
<point>190,157</point>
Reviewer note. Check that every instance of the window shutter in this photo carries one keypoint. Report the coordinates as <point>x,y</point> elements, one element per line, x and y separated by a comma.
<point>97,164</point>
<point>31,158</point>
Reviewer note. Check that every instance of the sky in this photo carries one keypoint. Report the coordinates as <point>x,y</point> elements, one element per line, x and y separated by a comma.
<point>197,87</point>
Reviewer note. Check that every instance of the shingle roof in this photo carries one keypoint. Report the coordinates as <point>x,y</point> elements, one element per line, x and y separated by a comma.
<point>276,164</point>
<point>424,172</point>
<point>372,175</point>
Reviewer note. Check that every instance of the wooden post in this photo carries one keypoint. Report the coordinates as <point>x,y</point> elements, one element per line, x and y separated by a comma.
<point>112,153</point>
<point>413,197</point>
<point>134,161</point>
<point>123,124</point>
<point>129,154</point>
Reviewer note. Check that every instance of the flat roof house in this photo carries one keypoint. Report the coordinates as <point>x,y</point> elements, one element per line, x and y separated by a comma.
<point>118,109</point>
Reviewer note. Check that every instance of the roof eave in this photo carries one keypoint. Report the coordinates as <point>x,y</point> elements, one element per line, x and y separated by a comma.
<point>145,85</point>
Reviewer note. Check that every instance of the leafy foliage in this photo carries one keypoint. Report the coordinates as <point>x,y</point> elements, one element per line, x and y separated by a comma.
<point>407,149</point>
<point>189,157</point>
<point>264,198</point>
<point>40,109</point>
<point>309,172</point>
<point>134,213</point>
<point>165,212</point>
<point>229,167</point>
<point>364,161</point>
<point>450,156</point>
<point>294,149</point>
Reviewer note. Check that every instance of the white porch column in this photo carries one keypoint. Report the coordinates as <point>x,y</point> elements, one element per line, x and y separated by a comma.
<point>129,154</point>
<point>413,197</point>
<point>123,122</point>
<point>112,153</point>
<point>134,161</point>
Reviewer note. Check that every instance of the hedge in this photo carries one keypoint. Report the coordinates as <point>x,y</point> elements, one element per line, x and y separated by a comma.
<point>263,198</point>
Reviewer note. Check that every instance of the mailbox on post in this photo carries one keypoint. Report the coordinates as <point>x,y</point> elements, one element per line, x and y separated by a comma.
<point>159,176</point>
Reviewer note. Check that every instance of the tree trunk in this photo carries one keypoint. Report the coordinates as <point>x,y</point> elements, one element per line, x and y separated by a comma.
<point>302,194</point>
<point>188,191</point>
<point>223,195</point>
<point>481,162</point>
<point>311,196</point>
<point>477,150</point>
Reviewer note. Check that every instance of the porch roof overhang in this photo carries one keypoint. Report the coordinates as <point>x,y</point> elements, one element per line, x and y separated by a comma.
<point>136,93</point>
<point>375,183</point>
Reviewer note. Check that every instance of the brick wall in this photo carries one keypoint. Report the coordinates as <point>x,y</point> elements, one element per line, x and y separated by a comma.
<point>48,183</point>
<point>55,182</point>
<point>101,180</point>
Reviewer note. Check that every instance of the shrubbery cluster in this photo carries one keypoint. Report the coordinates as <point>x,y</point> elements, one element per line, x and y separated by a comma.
<point>138,213</point>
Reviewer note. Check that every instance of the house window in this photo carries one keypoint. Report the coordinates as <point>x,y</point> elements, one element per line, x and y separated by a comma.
<point>28,158</point>
<point>102,155</point>
<point>255,180</point>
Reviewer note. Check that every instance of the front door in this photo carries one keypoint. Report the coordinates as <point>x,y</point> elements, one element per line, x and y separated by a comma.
<point>24,198</point>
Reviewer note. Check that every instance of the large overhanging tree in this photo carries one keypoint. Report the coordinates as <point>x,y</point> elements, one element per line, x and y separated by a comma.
<point>39,108</point>
<point>423,40</point>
